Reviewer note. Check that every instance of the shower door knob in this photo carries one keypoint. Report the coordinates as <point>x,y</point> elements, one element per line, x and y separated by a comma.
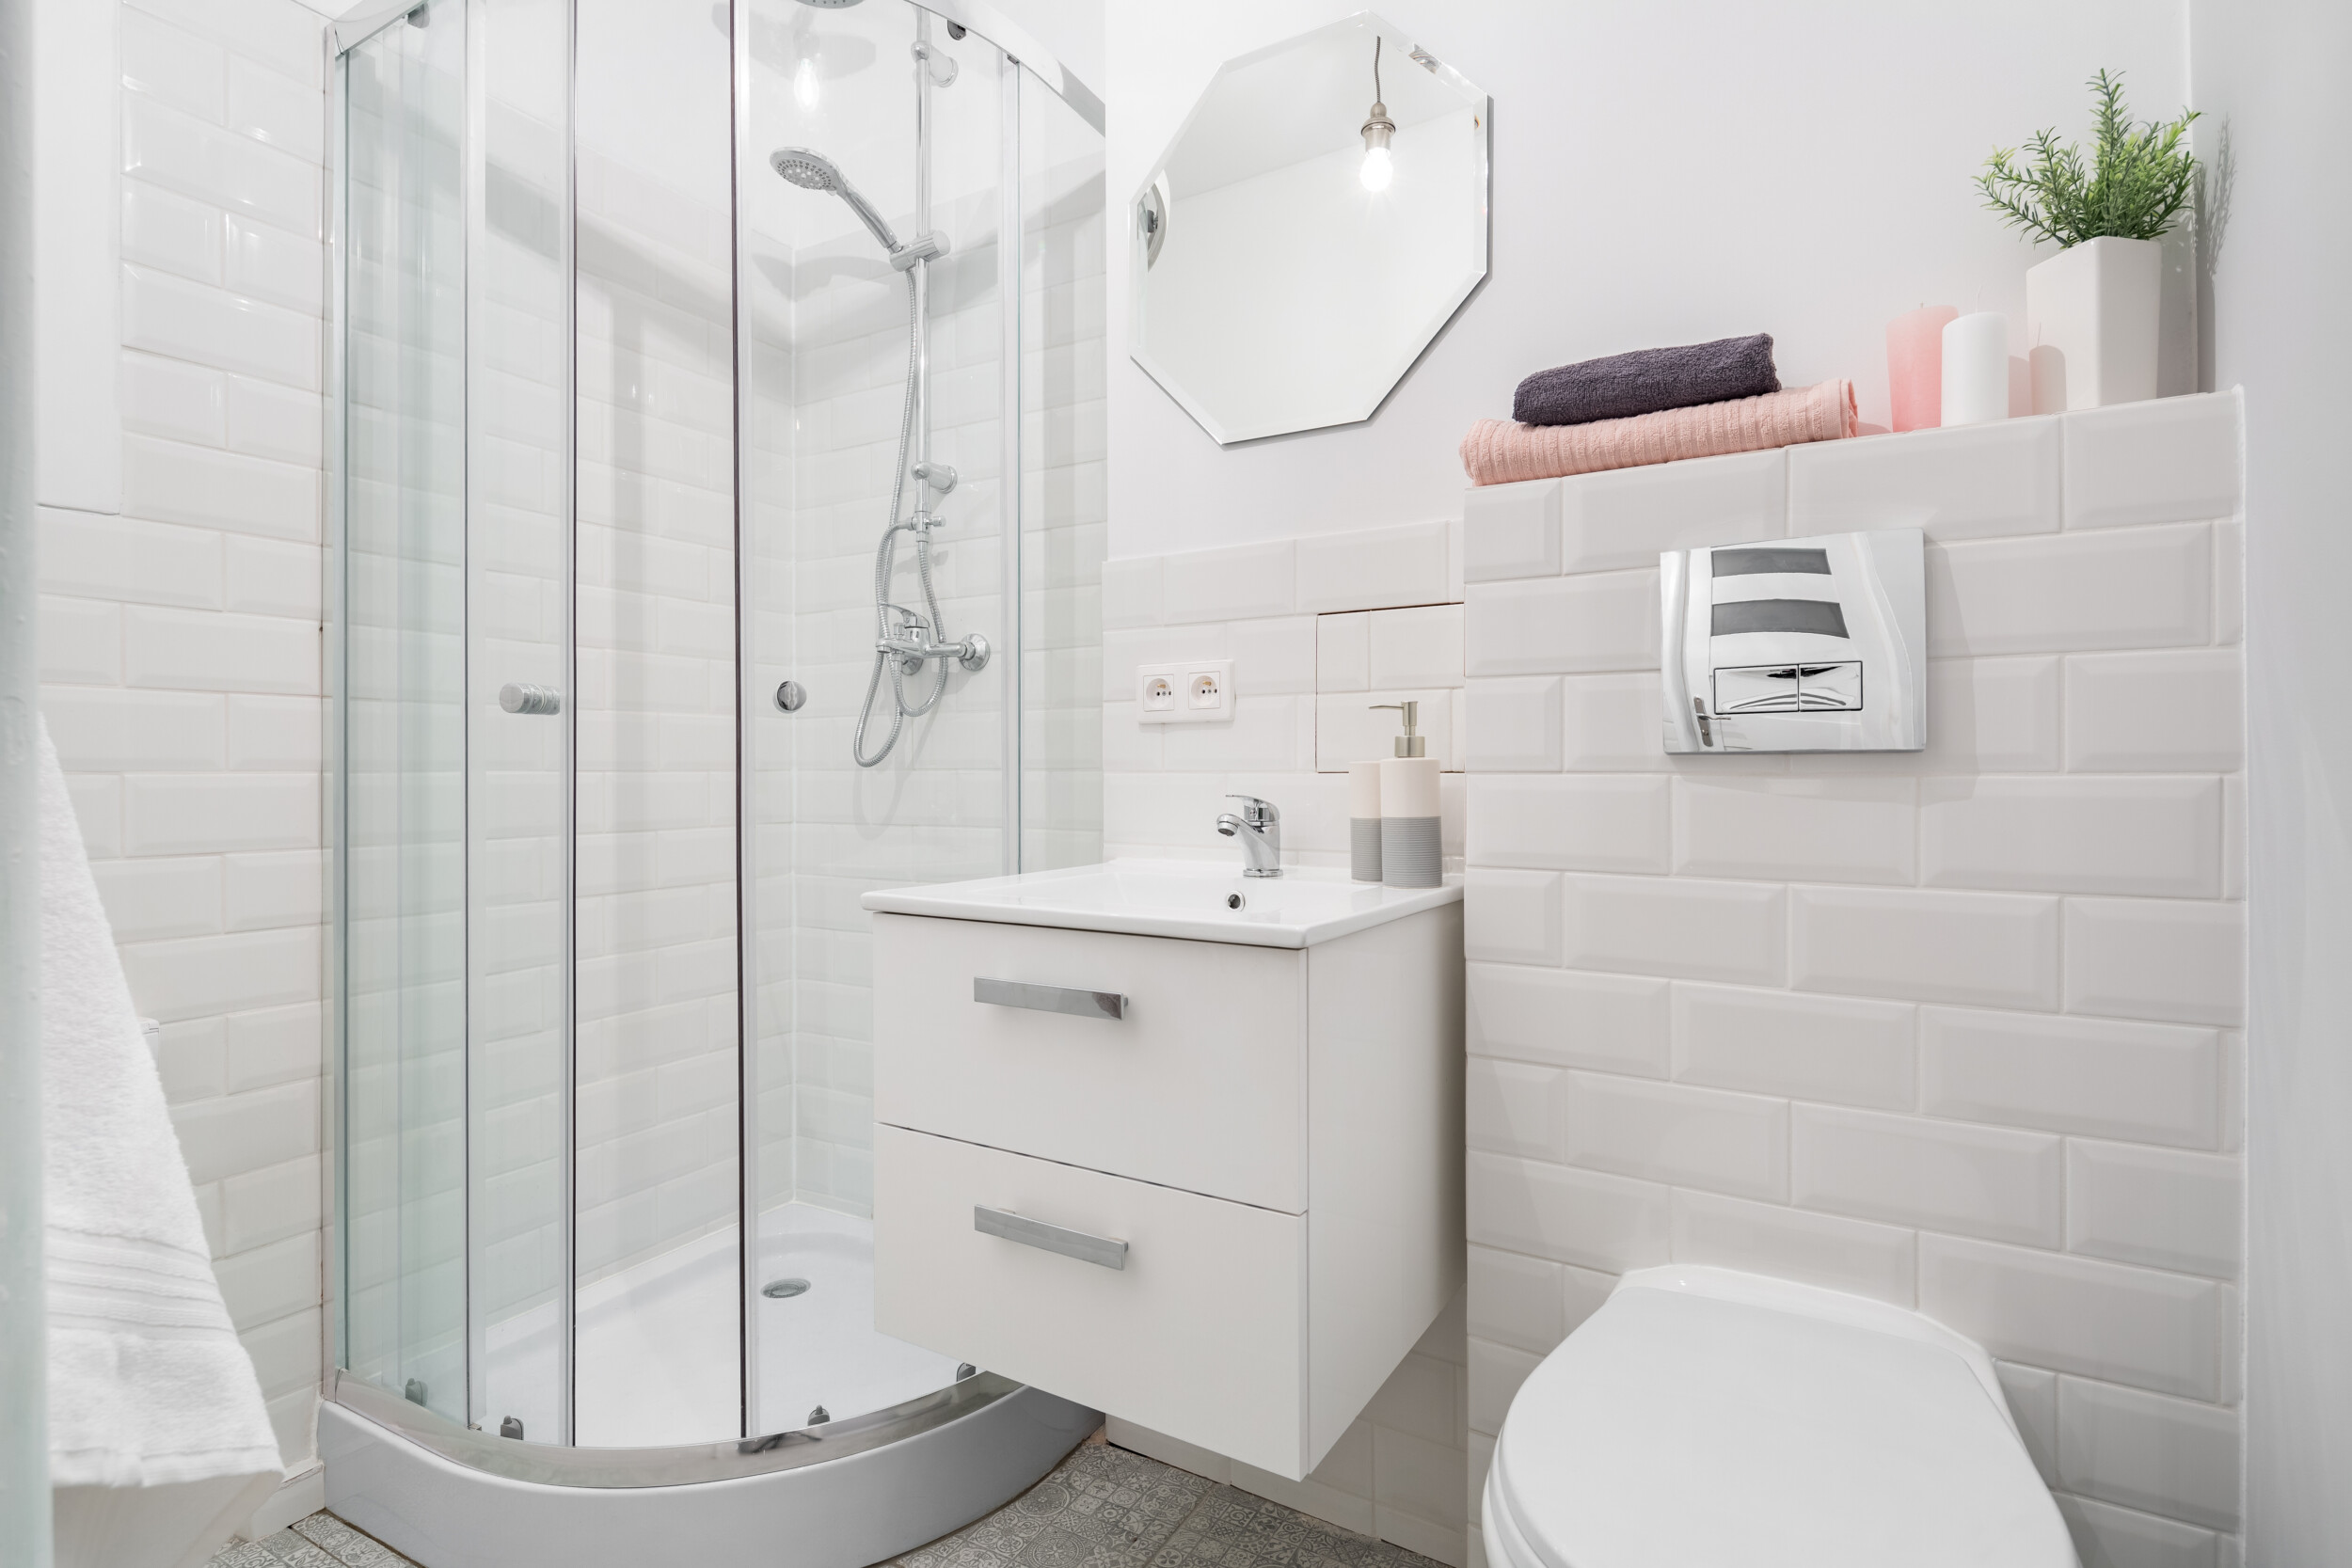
<point>790,695</point>
<point>522,697</point>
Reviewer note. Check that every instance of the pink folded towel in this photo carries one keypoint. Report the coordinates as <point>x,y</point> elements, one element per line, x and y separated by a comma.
<point>1497,452</point>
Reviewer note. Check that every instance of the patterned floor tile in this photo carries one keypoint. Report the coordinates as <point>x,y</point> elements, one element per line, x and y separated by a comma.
<point>1101,1508</point>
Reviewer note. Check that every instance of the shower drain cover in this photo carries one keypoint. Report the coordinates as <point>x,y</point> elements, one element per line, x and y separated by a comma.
<point>782,1290</point>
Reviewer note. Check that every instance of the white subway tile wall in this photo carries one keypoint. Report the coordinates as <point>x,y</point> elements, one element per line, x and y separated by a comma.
<point>1955,1029</point>
<point>655,898</point>
<point>181,666</point>
<point>1319,630</point>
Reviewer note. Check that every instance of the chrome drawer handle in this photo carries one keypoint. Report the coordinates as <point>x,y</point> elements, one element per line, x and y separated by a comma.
<point>1049,999</point>
<point>1050,1238</point>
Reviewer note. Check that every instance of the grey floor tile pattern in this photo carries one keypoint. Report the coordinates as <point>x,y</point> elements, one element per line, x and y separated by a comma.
<point>1105,1508</point>
<point>320,1541</point>
<point>1101,1508</point>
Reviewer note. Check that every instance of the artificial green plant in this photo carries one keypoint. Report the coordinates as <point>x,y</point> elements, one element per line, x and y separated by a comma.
<point>2132,186</point>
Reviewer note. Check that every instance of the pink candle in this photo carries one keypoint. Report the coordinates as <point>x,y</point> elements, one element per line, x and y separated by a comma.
<point>1914,365</point>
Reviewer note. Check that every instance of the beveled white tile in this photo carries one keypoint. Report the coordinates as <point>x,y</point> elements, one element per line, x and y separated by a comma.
<point>1569,1018</point>
<point>2133,588</point>
<point>1590,1218</point>
<point>1273,657</point>
<point>1514,1108</point>
<point>2148,1082</point>
<point>2160,1207</point>
<point>1680,926</point>
<point>1228,583</point>
<point>1569,822</point>
<point>1673,1132</point>
<point>1837,1048</point>
<point>1815,830</point>
<point>1512,725</point>
<point>2174,711</point>
<point>1875,1260</point>
<point>1496,1371</point>
<point>2168,460</point>
<point>1549,625</point>
<point>1625,517</point>
<point>2168,959</point>
<point>2229,582</point>
<point>1517,1301</point>
<point>1990,949</point>
<point>1420,646</point>
<point>1611,723</point>
<point>2145,836</point>
<point>2129,1539</point>
<point>1511,530</point>
<point>1511,916</point>
<point>1970,481</point>
<point>2165,1332</point>
<point>1373,568</point>
<point>2032,1395</point>
<point>2168,1456</point>
<point>1343,652</point>
<point>1944,1175</point>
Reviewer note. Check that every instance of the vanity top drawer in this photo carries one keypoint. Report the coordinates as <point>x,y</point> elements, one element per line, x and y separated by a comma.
<point>1198,1083</point>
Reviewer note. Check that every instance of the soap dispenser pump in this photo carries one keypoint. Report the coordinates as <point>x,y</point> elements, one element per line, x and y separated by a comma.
<point>1411,852</point>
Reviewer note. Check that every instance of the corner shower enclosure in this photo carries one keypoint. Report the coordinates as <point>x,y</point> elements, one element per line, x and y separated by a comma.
<point>658,458</point>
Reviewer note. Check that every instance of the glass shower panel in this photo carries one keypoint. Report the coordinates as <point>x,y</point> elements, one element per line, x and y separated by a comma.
<point>1065,510</point>
<point>658,1266</point>
<point>825,325</point>
<point>518,582</point>
<point>404,742</point>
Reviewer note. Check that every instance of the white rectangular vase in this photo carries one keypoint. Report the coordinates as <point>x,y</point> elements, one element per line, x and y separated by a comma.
<point>2091,319</point>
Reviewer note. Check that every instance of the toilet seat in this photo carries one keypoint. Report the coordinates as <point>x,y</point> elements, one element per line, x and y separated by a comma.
<point>1704,1418</point>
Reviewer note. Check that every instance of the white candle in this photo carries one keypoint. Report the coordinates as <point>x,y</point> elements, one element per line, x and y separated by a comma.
<point>1976,368</point>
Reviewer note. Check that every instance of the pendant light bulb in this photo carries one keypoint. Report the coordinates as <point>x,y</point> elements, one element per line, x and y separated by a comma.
<point>1377,131</point>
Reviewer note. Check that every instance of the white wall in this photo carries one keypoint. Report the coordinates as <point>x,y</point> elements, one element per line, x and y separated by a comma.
<point>180,641</point>
<point>1662,174</point>
<point>2270,76</point>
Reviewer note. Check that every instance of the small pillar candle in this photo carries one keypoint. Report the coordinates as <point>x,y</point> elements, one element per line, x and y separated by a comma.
<point>1915,359</point>
<point>1976,368</point>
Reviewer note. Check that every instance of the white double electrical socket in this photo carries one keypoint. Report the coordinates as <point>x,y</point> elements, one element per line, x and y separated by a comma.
<point>1190,692</point>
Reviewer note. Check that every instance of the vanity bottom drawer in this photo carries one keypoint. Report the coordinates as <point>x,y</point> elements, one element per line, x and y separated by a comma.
<point>1198,1334</point>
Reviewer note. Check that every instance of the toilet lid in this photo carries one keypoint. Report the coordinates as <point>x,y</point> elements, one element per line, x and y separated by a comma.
<point>1680,1429</point>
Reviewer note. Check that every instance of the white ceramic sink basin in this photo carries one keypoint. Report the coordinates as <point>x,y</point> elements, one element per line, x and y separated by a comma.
<point>1203,900</point>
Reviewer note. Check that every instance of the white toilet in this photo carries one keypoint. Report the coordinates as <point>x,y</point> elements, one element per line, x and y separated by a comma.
<point>1705,1419</point>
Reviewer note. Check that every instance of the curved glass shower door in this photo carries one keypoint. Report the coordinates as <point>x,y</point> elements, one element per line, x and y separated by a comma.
<point>626,420</point>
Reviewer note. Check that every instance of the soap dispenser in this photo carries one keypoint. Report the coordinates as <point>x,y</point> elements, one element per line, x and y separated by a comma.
<point>1411,853</point>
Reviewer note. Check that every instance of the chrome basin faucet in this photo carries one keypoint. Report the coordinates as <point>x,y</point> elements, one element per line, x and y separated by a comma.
<point>1260,828</point>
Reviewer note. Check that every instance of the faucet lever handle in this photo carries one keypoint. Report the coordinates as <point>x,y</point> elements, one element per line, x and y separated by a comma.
<point>1255,812</point>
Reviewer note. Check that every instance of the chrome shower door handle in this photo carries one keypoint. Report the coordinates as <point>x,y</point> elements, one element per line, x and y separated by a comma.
<point>528,698</point>
<point>1049,999</point>
<point>1106,1251</point>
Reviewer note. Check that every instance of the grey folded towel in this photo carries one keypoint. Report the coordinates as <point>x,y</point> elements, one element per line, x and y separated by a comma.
<point>1648,381</point>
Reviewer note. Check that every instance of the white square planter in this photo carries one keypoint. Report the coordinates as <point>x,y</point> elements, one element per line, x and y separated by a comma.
<point>2091,316</point>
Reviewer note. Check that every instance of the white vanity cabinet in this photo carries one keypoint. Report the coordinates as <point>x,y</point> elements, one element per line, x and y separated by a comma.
<point>1209,1182</point>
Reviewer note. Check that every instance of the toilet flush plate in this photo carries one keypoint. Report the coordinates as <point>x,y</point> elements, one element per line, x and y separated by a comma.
<point>1814,645</point>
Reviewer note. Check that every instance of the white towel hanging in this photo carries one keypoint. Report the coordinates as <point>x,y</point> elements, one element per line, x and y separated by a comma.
<point>159,1439</point>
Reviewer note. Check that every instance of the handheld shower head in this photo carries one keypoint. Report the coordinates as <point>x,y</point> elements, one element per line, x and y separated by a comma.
<point>812,171</point>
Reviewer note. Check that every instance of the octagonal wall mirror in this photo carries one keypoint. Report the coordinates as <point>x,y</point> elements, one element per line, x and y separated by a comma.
<point>1308,232</point>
